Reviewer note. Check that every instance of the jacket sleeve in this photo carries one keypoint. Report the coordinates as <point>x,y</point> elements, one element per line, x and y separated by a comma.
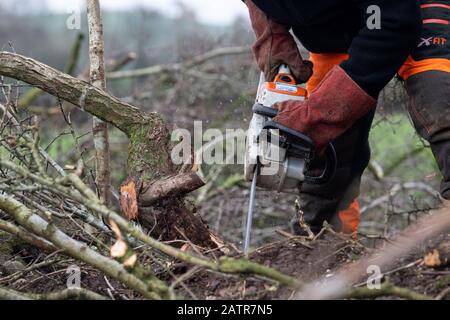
<point>275,45</point>
<point>375,55</point>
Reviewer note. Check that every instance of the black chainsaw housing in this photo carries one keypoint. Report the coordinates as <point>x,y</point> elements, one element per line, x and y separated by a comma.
<point>299,145</point>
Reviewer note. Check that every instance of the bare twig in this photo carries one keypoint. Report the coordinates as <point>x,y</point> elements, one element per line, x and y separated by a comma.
<point>398,188</point>
<point>179,67</point>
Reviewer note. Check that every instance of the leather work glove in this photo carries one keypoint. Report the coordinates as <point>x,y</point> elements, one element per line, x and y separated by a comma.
<point>275,46</point>
<point>332,108</point>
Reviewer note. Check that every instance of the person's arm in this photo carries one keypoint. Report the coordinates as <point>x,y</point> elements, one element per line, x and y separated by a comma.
<point>275,45</point>
<point>376,55</point>
<point>349,91</point>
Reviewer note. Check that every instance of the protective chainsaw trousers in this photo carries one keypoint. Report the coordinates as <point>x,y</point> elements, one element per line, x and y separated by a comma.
<point>429,108</point>
<point>427,80</point>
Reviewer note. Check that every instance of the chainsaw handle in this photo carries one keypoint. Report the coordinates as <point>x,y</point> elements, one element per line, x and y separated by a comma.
<point>265,111</point>
<point>329,170</point>
<point>301,140</point>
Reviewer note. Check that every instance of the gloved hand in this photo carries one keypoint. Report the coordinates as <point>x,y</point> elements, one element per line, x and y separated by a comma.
<point>274,46</point>
<point>336,104</point>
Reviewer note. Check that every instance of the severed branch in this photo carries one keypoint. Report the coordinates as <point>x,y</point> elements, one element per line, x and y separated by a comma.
<point>178,185</point>
<point>149,194</point>
<point>177,67</point>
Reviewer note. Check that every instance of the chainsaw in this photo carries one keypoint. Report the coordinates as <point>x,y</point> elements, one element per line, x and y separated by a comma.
<point>277,157</point>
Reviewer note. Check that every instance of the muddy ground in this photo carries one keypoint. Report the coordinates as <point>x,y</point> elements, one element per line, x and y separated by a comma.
<point>272,246</point>
<point>304,259</point>
<point>309,261</point>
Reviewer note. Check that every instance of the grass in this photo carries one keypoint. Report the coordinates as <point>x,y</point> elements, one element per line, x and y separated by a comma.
<point>394,140</point>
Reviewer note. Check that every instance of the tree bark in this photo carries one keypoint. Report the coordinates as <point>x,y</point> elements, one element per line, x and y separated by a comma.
<point>177,185</point>
<point>98,79</point>
<point>149,146</point>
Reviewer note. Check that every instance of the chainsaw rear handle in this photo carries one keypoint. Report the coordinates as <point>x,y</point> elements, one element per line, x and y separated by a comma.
<point>329,170</point>
<point>301,145</point>
<point>298,143</point>
<point>265,111</point>
<point>301,140</point>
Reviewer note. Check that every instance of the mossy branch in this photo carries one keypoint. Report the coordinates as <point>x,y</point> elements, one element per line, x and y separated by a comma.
<point>386,290</point>
<point>67,294</point>
<point>24,235</point>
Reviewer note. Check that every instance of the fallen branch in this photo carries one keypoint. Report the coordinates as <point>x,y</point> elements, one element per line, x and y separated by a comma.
<point>82,194</point>
<point>149,287</point>
<point>67,294</point>
<point>178,67</point>
<point>24,235</point>
<point>386,290</point>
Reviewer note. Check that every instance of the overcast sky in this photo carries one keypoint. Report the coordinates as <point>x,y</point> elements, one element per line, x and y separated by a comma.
<point>208,11</point>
